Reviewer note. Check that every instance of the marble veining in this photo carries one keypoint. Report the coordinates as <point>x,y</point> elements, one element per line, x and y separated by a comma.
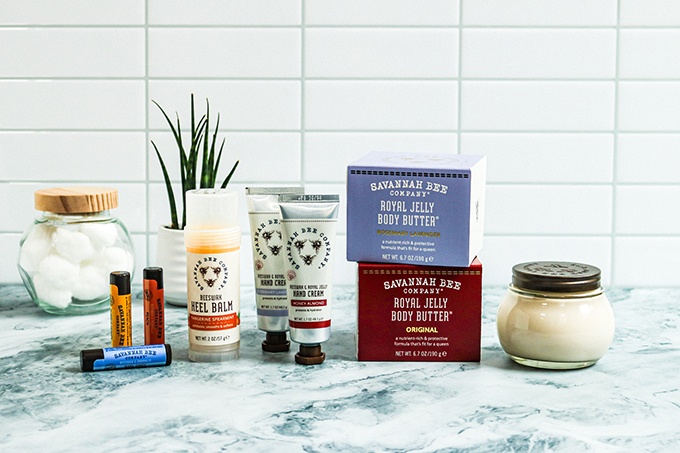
<point>629,401</point>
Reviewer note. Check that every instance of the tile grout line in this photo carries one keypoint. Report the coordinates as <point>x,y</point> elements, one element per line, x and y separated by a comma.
<point>147,184</point>
<point>336,182</point>
<point>340,26</point>
<point>613,269</point>
<point>362,131</point>
<point>460,78</point>
<point>303,125</point>
<point>405,79</point>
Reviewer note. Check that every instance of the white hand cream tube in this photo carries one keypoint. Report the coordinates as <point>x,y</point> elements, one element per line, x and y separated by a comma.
<point>309,224</point>
<point>271,299</point>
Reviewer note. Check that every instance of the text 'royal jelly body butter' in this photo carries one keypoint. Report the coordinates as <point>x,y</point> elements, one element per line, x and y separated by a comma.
<point>415,208</point>
<point>555,315</point>
<point>419,313</point>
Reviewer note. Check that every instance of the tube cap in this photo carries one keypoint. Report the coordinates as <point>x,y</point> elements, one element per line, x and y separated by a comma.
<point>556,276</point>
<point>276,342</point>
<point>211,209</point>
<point>154,273</point>
<point>310,355</point>
<point>121,279</point>
<point>88,356</point>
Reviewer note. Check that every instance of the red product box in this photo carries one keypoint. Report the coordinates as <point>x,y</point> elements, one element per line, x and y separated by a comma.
<point>419,313</point>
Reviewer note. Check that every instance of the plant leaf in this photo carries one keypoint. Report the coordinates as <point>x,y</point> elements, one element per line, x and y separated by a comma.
<point>231,173</point>
<point>176,132</point>
<point>168,187</point>
<point>207,179</point>
<point>212,164</point>
<point>196,140</point>
<point>219,157</point>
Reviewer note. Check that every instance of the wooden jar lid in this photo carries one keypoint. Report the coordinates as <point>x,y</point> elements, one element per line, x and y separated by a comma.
<point>76,200</point>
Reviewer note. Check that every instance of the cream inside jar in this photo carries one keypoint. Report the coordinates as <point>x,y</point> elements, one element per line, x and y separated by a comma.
<point>555,315</point>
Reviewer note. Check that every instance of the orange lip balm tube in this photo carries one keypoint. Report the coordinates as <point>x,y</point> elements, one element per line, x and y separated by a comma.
<point>154,306</point>
<point>121,309</point>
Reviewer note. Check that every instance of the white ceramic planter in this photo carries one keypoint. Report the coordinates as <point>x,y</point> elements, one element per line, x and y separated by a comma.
<point>171,256</point>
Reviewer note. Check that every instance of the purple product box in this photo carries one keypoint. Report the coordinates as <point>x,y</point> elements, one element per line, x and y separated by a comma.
<point>412,208</point>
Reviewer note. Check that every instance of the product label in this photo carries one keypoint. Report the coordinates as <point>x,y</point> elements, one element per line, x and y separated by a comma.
<point>131,357</point>
<point>408,215</point>
<point>419,314</point>
<point>121,318</point>
<point>269,259</point>
<point>154,313</point>
<point>422,317</point>
<point>309,249</point>
<point>407,225</point>
<point>213,298</point>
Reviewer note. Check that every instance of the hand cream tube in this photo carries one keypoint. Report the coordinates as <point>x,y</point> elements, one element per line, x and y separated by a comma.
<point>309,223</point>
<point>268,264</point>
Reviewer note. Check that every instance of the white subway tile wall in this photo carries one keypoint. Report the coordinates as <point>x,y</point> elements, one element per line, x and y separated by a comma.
<point>576,105</point>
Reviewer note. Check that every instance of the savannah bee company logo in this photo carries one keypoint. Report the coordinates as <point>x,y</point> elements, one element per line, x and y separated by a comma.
<point>309,247</point>
<point>210,272</point>
<point>267,239</point>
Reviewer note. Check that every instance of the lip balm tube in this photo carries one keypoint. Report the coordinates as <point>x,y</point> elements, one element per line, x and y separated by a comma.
<point>268,264</point>
<point>154,306</point>
<point>125,357</point>
<point>309,224</point>
<point>213,241</point>
<point>121,309</point>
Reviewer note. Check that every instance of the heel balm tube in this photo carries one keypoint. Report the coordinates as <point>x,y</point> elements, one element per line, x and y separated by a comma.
<point>213,241</point>
<point>125,357</point>
<point>309,224</point>
<point>121,309</point>
<point>154,306</point>
<point>269,264</point>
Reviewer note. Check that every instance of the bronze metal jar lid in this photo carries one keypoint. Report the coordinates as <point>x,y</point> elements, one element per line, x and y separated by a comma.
<point>556,276</point>
<point>76,200</point>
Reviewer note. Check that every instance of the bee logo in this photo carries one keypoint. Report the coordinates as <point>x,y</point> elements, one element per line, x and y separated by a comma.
<point>210,274</point>
<point>271,240</point>
<point>275,249</point>
<point>308,247</point>
<point>316,245</point>
<point>299,244</point>
<point>308,259</point>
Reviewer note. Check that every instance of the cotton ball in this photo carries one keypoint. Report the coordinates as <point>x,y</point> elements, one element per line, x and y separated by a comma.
<point>58,272</point>
<point>101,234</point>
<point>113,259</point>
<point>73,245</point>
<point>51,295</point>
<point>35,248</point>
<point>92,283</point>
<point>130,261</point>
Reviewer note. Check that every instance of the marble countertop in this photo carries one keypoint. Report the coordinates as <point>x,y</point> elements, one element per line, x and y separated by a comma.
<point>628,401</point>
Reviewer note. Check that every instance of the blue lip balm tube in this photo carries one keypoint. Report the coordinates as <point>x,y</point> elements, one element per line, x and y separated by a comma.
<point>125,357</point>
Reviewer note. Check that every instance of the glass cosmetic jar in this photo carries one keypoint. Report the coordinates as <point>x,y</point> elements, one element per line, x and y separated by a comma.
<point>555,315</point>
<point>66,256</point>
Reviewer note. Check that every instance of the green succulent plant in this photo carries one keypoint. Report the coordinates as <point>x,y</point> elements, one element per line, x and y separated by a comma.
<point>201,148</point>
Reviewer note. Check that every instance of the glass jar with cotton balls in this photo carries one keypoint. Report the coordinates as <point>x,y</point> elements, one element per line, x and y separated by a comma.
<point>66,256</point>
